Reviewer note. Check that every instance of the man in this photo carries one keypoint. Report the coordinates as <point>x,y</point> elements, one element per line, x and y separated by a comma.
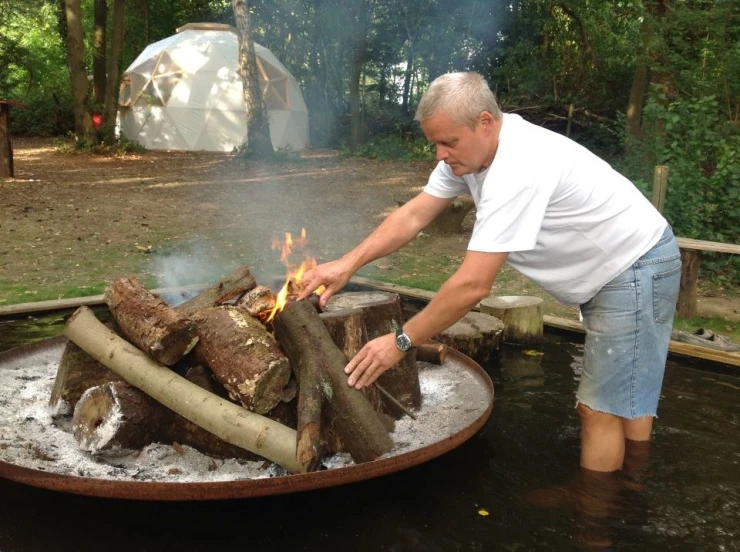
<point>564,218</point>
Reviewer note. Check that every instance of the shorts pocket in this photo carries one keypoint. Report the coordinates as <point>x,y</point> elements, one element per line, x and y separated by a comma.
<point>665,294</point>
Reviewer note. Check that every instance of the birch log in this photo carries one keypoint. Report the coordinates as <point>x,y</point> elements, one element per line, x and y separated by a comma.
<point>228,421</point>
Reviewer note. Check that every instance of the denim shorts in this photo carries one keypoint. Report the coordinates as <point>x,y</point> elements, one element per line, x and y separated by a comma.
<point>628,328</point>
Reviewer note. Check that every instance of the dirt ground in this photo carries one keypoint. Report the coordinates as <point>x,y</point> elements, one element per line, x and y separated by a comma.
<point>69,223</point>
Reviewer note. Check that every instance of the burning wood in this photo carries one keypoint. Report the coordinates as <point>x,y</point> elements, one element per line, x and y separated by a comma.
<point>249,381</point>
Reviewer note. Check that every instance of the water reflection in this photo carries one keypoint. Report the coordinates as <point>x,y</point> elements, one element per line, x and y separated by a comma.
<point>682,492</point>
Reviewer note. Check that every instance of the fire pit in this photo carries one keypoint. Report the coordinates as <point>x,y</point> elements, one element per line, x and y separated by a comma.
<point>457,400</point>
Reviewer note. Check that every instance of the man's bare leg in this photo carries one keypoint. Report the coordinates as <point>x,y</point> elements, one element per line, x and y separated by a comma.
<point>638,429</point>
<point>602,440</point>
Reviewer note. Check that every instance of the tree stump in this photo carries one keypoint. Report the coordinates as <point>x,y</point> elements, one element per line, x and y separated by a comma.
<point>476,335</point>
<point>450,220</point>
<point>521,315</point>
<point>380,312</point>
<point>243,356</point>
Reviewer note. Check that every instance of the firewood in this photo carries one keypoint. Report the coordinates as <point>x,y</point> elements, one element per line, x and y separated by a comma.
<point>380,312</point>
<point>116,417</point>
<point>476,335</point>
<point>77,372</point>
<point>233,285</point>
<point>347,329</point>
<point>149,323</point>
<point>243,356</point>
<point>228,421</point>
<point>434,353</point>
<point>257,300</point>
<point>307,342</point>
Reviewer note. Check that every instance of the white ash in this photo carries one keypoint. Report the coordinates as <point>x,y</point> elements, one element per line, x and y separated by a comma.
<point>453,398</point>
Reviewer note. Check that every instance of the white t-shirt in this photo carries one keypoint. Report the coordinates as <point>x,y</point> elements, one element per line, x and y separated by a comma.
<point>569,221</point>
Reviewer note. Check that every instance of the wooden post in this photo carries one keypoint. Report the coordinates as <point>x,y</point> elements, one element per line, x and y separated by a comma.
<point>6,149</point>
<point>521,315</point>
<point>686,305</point>
<point>660,185</point>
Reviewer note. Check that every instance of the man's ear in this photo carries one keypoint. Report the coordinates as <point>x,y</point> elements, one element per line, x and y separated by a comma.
<point>486,120</point>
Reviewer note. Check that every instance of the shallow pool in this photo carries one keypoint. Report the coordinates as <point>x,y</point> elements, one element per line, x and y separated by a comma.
<point>514,486</point>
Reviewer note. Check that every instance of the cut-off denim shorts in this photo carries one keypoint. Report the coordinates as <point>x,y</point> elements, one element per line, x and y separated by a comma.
<point>628,328</point>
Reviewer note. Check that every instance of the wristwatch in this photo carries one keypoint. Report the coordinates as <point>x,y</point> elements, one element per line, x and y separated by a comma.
<point>403,341</point>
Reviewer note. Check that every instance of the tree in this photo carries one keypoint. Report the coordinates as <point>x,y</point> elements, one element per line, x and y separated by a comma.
<point>112,68</point>
<point>359,45</point>
<point>77,72</point>
<point>99,56</point>
<point>258,131</point>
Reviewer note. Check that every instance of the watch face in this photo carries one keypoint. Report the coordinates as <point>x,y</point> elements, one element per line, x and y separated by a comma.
<point>403,342</point>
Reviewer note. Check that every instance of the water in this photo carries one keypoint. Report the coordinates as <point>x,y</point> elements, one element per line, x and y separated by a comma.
<point>514,486</point>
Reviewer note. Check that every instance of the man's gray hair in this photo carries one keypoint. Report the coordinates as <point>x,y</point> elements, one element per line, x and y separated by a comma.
<point>461,96</point>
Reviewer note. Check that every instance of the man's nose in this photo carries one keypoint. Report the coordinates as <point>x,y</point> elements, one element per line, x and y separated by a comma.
<point>442,153</point>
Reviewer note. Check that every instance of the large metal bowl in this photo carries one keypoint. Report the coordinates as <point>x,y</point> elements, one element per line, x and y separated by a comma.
<point>49,352</point>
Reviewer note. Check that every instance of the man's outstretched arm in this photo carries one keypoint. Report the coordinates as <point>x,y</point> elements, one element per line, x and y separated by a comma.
<point>397,230</point>
<point>469,285</point>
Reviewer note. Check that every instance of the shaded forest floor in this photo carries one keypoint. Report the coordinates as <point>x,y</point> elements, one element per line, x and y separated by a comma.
<point>70,223</point>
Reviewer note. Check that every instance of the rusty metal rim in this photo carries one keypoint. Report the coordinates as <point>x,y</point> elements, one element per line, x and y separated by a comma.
<point>143,490</point>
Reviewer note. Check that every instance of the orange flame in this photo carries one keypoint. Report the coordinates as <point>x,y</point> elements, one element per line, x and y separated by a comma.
<point>294,275</point>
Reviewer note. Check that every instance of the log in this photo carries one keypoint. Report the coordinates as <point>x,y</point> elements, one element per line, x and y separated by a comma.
<point>233,285</point>
<point>434,353</point>
<point>521,315</point>
<point>77,372</point>
<point>257,300</point>
<point>115,417</point>
<point>306,341</point>
<point>149,323</point>
<point>347,330</point>
<point>476,335</point>
<point>450,220</point>
<point>243,356</point>
<point>228,421</point>
<point>380,312</point>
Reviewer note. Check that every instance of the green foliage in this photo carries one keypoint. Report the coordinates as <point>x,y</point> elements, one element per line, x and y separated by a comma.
<point>399,145</point>
<point>120,147</point>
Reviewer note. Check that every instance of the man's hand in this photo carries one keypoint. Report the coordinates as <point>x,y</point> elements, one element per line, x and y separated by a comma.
<point>373,359</point>
<point>334,275</point>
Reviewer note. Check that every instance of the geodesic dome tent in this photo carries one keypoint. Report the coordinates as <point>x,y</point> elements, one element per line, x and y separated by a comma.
<point>184,93</point>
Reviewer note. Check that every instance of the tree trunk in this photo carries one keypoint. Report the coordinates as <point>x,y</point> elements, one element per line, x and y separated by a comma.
<point>359,47</point>
<point>243,356</point>
<point>77,72</point>
<point>521,315</point>
<point>228,421</point>
<point>381,310</point>
<point>113,68</point>
<point>233,285</point>
<point>306,341</point>
<point>149,323</point>
<point>99,53</point>
<point>407,76</point>
<point>258,130</point>
<point>476,335</point>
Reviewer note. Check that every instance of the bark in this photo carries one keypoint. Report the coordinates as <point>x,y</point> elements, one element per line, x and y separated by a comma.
<point>243,356</point>
<point>77,71</point>
<point>77,373</point>
<point>6,146</point>
<point>306,340</point>
<point>521,315</point>
<point>380,312</point>
<point>257,301</point>
<point>233,285</point>
<point>99,53</point>
<point>228,421</point>
<point>149,323</point>
<point>258,130</point>
<point>113,69</point>
<point>359,48</point>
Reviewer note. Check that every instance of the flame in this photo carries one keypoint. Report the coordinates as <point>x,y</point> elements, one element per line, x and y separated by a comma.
<point>295,272</point>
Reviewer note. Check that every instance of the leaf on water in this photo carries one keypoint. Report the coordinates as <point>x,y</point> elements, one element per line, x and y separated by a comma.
<point>531,352</point>
<point>483,512</point>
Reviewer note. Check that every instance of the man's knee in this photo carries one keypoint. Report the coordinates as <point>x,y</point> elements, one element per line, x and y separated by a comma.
<point>590,417</point>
